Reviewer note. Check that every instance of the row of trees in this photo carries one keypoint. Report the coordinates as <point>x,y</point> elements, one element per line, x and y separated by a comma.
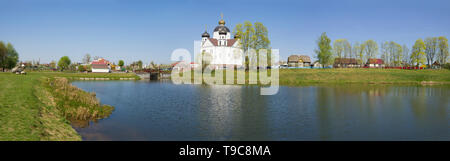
<point>8,56</point>
<point>65,64</point>
<point>394,54</point>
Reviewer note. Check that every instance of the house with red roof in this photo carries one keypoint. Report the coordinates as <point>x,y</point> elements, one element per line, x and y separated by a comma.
<point>101,66</point>
<point>375,63</point>
<point>182,64</point>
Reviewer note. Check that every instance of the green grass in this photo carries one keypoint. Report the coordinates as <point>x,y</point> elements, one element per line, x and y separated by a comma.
<point>295,77</point>
<point>19,108</point>
<point>37,106</point>
<point>23,116</point>
<point>74,103</point>
<point>300,77</point>
<point>112,76</point>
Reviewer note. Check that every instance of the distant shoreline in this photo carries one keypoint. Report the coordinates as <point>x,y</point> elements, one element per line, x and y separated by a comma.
<point>295,77</point>
<point>305,77</point>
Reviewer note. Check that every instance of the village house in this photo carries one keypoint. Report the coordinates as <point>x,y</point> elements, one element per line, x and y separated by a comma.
<point>346,63</point>
<point>101,66</point>
<point>435,65</point>
<point>299,61</point>
<point>316,64</point>
<point>375,63</point>
<point>292,60</point>
<point>183,64</point>
<point>113,66</point>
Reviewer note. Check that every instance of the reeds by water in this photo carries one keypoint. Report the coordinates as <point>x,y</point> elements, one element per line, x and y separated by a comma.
<point>74,103</point>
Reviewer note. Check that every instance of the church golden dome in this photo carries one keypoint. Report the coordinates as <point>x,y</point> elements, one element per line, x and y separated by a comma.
<point>222,29</point>
<point>222,22</point>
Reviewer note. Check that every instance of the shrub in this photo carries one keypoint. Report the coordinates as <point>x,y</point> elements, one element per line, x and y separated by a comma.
<point>446,66</point>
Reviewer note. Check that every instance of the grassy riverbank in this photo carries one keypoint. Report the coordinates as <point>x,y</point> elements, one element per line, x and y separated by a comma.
<point>111,76</point>
<point>298,77</point>
<point>302,77</point>
<point>39,105</point>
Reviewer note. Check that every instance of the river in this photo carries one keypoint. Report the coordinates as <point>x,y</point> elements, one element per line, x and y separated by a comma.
<point>162,111</point>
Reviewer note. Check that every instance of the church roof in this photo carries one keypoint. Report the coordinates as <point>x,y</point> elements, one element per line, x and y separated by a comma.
<point>230,42</point>
<point>205,34</point>
<point>222,32</point>
<point>221,28</point>
<point>214,41</point>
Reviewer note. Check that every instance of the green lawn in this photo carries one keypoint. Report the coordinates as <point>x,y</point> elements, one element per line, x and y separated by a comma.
<point>114,76</point>
<point>297,77</point>
<point>31,109</point>
<point>23,116</point>
<point>19,108</point>
<point>301,77</point>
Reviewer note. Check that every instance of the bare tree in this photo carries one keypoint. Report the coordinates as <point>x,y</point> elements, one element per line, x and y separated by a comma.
<point>385,52</point>
<point>357,52</point>
<point>87,58</point>
<point>406,55</point>
<point>443,52</point>
<point>370,49</point>
<point>342,48</point>
<point>431,45</point>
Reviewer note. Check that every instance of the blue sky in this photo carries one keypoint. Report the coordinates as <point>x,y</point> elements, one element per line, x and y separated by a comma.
<point>45,30</point>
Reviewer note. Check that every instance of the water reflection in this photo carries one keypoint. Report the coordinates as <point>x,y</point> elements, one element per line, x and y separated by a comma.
<point>164,111</point>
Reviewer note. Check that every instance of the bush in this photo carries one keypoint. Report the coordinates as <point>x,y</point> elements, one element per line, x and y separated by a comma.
<point>446,66</point>
<point>81,68</point>
<point>84,68</point>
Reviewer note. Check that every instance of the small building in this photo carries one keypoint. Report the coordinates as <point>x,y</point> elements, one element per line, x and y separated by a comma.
<point>100,66</point>
<point>194,65</point>
<point>316,64</point>
<point>345,63</point>
<point>292,60</point>
<point>179,65</point>
<point>435,65</point>
<point>299,61</point>
<point>113,66</point>
<point>375,63</point>
<point>305,60</point>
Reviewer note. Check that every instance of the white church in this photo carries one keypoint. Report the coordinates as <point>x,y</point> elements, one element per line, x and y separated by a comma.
<point>223,49</point>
